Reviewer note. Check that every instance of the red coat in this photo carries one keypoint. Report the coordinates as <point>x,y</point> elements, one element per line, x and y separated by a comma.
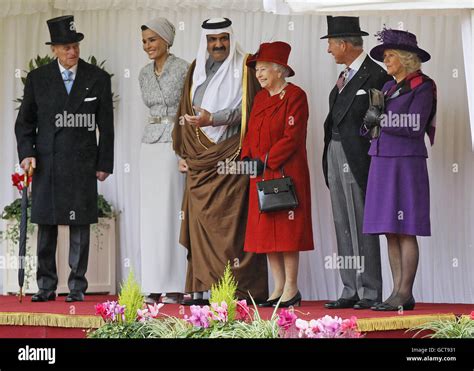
<point>278,126</point>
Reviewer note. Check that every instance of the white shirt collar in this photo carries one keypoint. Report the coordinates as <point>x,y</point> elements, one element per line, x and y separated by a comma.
<point>73,69</point>
<point>355,65</point>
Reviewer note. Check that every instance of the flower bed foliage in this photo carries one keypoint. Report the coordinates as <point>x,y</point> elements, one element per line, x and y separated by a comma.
<point>461,328</point>
<point>226,317</point>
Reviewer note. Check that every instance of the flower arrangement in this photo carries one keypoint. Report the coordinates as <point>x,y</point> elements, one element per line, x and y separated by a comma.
<point>225,317</point>
<point>461,327</point>
<point>325,327</point>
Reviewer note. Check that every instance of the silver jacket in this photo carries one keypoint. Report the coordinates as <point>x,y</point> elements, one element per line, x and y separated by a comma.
<point>161,94</point>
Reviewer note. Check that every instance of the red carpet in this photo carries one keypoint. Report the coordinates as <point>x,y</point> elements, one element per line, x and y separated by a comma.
<point>58,319</point>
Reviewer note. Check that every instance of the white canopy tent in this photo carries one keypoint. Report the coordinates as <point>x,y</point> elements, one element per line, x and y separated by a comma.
<point>112,32</point>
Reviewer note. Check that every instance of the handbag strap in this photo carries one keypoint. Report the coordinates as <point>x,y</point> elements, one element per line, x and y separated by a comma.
<point>265,168</point>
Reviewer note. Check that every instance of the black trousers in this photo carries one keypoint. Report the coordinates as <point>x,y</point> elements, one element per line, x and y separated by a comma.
<point>46,275</point>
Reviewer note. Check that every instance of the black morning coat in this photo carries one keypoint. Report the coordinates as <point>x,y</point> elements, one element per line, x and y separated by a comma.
<point>349,110</point>
<point>64,188</point>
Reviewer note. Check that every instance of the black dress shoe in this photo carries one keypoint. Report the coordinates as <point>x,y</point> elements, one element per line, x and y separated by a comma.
<point>366,304</point>
<point>269,303</point>
<point>385,307</point>
<point>341,303</point>
<point>294,301</point>
<point>75,296</point>
<point>189,302</point>
<point>43,295</point>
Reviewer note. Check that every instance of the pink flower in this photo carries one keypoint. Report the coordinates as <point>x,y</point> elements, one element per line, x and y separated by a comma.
<point>154,309</point>
<point>286,319</point>
<point>349,324</point>
<point>243,311</point>
<point>328,327</point>
<point>150,312</point>
<point>472,315</point>
<point>200,317</point>
<point>220,312</point>
<point>101,309</point>
<point>306,329</point>
<point>329,324</point>
<point>111,311</point>
<point>142,315</point>
<point>116,311</point>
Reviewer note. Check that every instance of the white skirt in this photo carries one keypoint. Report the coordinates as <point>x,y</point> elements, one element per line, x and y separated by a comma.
<point>163,259</point>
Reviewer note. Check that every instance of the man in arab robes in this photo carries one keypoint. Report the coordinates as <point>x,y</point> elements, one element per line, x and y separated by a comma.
<point>211,123</point>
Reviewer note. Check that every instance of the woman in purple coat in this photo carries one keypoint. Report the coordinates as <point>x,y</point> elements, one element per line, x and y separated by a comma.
<point>397,200</point>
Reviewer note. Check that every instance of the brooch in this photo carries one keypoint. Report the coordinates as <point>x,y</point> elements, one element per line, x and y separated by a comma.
<point>282,94</point>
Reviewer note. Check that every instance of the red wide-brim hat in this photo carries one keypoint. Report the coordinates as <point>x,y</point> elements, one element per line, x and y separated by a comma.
<point>275,52</point>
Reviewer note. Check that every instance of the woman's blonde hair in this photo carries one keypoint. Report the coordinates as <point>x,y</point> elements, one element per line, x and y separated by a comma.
<point>410,61</point>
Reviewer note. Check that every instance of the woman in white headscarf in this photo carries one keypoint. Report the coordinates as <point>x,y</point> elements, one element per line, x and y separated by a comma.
<point>163,260</point>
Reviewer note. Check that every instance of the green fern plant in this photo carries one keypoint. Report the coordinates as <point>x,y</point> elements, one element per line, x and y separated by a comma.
<point>461,328</point>
<point>225,290</point>
<point>131,297</point>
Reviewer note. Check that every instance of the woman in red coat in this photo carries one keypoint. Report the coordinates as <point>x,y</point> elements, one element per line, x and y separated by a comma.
<point>277,127</point>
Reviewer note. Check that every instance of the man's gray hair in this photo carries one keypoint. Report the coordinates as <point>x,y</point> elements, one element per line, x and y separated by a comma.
<point>285,72</point>
<point>356,41</point>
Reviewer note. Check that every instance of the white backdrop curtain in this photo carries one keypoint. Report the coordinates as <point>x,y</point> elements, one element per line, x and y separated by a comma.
<point>467,27</point>
<point>446,259</point>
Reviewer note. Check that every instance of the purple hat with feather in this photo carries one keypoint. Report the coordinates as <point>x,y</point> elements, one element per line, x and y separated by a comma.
<point>397,39</point>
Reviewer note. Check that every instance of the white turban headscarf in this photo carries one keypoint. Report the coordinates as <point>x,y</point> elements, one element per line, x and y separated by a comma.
<point>225,88</point>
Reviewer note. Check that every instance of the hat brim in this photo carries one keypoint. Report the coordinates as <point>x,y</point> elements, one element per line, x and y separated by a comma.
<point>78,37</point>
<point>345,34</point>
<point>252,61</point>
<point>377,51</point>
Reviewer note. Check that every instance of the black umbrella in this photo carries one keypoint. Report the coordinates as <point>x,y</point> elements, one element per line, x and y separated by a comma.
<point>23,231</point>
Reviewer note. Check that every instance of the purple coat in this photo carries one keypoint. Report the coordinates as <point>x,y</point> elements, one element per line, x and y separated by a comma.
<point>406,138</point>
<point>397,198</point>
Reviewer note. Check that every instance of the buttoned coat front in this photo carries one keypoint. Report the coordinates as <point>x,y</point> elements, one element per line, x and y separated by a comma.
<point>278,126</point>
<point>55,128</point>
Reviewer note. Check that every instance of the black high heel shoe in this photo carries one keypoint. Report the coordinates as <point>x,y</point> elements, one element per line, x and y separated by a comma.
<point>295,301</point>
<point>385,307</point>
<point>269,303</point>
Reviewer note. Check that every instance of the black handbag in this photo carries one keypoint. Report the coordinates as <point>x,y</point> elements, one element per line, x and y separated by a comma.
<point>276,194</point>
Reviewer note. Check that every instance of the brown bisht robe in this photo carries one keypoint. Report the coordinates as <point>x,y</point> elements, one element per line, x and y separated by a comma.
<point>215,205</point>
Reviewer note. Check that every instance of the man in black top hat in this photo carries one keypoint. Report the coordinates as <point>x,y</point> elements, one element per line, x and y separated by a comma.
<point>346,163</point>
<point>64,103</point>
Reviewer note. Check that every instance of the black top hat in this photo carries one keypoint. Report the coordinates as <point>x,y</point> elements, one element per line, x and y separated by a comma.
<point>63,30</point>
<point>343,27</point>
